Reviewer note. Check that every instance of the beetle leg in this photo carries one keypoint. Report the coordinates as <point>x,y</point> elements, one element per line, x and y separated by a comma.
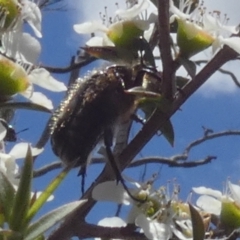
<point>108,137</point>
<point>82,173</point>
<point>138,119</point>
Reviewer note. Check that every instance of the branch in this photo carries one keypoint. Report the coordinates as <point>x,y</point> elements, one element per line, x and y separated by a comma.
<point>209,137</point>
<point>234,235</point>
<point>232,75</point>
<point>86,230</point>
<point>171,162</point>
<point>47,168</point>
<point>71,67</point>
<point>165,49</point>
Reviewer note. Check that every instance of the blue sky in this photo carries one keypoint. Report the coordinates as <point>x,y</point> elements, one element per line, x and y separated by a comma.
<point>215,106</point>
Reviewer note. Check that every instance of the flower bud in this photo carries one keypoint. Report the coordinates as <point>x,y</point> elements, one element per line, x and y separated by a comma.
<point>191,39</point>
<point>123,33</point>
<point>230,215</point>
<point>13,78</point>
<point>11,10</point>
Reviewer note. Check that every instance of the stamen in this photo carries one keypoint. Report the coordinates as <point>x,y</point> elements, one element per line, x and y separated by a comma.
<point>3,15</point>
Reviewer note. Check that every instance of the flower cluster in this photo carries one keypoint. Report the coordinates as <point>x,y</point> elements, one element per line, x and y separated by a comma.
<point>8,164</point>
<point>119,41</point>
<point>20,50</point>
<point>158,214</point>
<point>199,29</point>
<point>224,205</point>
<point>161,215</point>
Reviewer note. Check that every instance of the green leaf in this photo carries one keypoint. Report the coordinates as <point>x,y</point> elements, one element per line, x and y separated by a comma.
<point>10,235</point>
<point>168,132</point>
<point>25,105</point>
<point>50,219</point>
<point>161,103</point>
<point>181,81</point>
<point>22,198</point>
<point>190,66</point>
<point>142,45</point>
<point>197,223</point>
<point>46,194</point>
<point>7,194</point>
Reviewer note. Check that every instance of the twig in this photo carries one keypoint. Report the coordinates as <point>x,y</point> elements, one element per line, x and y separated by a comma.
<point>234,235</point>
<point>47,168</point>
<point>209,137</point>
<point>224,71</point>
<point>170,162</point>
<point>71,67</point>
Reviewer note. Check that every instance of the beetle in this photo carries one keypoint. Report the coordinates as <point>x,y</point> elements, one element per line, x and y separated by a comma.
<point>93,106</point>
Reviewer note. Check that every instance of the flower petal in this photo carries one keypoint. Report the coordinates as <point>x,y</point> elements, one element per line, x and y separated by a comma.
<point>42,78</point>
<point>20,150</point>
<point>32,14</point>
<point>112,222</point>
<point>153,229</point>
<point>177,13</point>
<point>41,99</point>
<point>89,27</point>
<point>233,42</point>
<point>111,191</point>
<point>134,11</point>
<point>3,132</point>
<point>209,204</point>
<point>235,191</point>
<point>29,47</point>
<point>95,41</point>
<point>208,191</point>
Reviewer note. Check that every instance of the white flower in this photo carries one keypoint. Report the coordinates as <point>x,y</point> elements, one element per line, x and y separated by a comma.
<point>10,168</point>
<point>16,43</point>
<point>16,80</point>
<point>211,200</point>
<point>153,229</point>
<point>21,46</point>
<point>156,216</point>
<point>31,13</point>
<point>111,191</point>
<point>204,24</point>
<point>132,14</point>
<point>8,164</point>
